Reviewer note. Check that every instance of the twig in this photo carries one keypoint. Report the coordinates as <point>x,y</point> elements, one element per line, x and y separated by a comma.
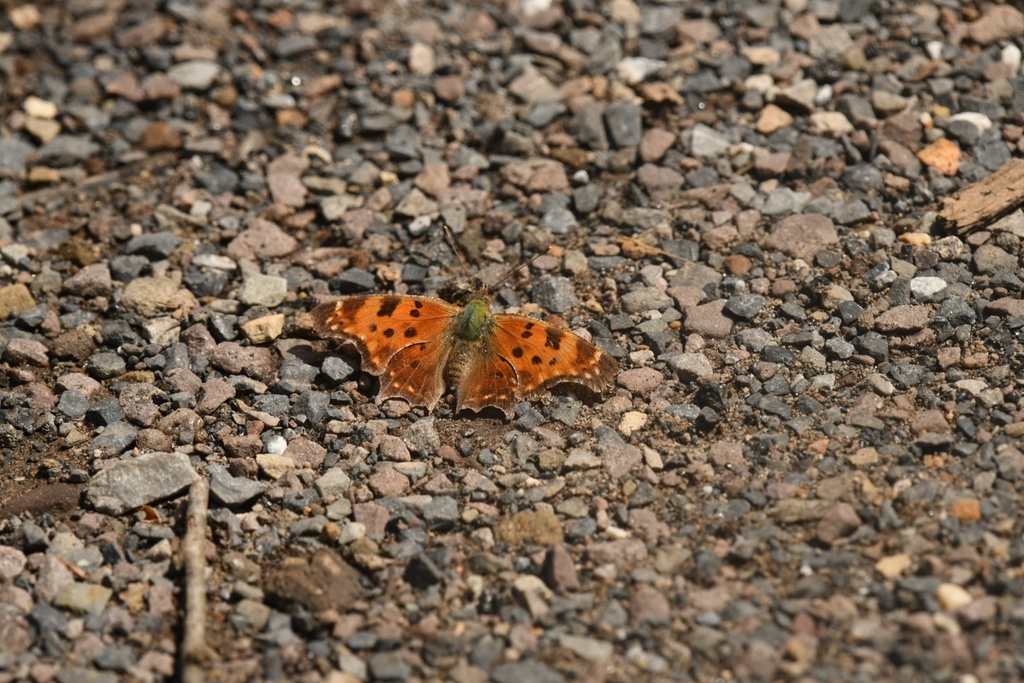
<point>149,163</point>
<point>980,204</point>
<point>194,653</point>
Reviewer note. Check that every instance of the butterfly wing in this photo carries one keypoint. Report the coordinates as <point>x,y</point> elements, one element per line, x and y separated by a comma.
<point>540,355</point>
<point>416,373</point>
<point>488,380</point>
<point>404,340</point>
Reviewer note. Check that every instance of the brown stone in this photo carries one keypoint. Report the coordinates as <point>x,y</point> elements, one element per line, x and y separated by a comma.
<point>540,527</point>
<point>943,155</point>
<point>966,510</point>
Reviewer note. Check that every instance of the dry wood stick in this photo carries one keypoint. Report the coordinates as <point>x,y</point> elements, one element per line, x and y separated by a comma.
<point>194,653</point>
<point>979,205</point>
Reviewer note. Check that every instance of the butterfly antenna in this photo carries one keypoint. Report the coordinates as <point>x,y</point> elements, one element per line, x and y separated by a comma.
<point>456,251</point>
<point>512,271</point>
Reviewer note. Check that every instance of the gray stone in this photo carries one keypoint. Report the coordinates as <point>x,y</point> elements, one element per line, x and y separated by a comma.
<point>130,484</point>
<point>334,482</point>
<point>989,258</point>
<point>263,290</point>
<point>104,413</point>
<point>954,312</point>
<point>745,306</point>
<point>441,513</point>
<point>625,124</point>
<point>67,150</point>
<point>83,598</point>
<point>708,320</point>
<point>294,376</point>
<point>802,235</point>
<point>154,246</point>
<point>991,151</point>
<point>311,406</point>
<point>645,299</point>
<point>707,142</point>
<point>14,152</point>
<point>587,126</point>
<point>422,438</point>
<point>529,670</point>
<point>874,345</point>
<point>585,647</point>
<point>554,294</point>
<point>862,177</point>
<point>587,198</point>
<point>231,490</point>
<point>850,213</point>
<point>106,365</point>
<point>389,666</point>
<point>839,348</point>
<point>544,112</point>
<point>354,280</point>
<point>336,369</point>
<point>115,439</point>
<point>558,221</point>
<point>73,405</point>
<point>198,74</point>
<point>691,366</point>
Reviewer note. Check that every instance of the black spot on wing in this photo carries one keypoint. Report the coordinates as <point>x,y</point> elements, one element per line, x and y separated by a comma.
<point>535,360</point>
<point>553,338</point>
<point>387,306</point>
<point>410,332</point>
<point>351,306</point>
<point>517,352</point>
<point>389,333</point>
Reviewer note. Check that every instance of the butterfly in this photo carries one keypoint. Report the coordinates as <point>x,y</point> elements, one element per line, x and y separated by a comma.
<point>418,345</point>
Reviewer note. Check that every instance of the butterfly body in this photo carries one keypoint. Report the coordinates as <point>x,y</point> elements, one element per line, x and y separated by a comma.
<point>473,321</point>
<point>469,337</point>
<point>418,345</point>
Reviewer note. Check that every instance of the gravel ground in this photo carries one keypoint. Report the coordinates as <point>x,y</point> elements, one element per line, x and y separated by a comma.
<point>808,468</point>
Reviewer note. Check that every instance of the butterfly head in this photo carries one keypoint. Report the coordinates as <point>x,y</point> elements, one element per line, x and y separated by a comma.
<point>473,319</point>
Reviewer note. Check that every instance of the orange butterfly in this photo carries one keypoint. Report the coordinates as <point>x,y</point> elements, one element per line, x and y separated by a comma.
<point>417,345</point>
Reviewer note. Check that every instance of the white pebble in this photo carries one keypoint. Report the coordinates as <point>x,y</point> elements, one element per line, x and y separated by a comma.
<point>39,108</point>
<point>422,60</point>
<point>634,70</point>
<point>215,261</point>
<point>758,83</point>
<point>925,287</point>
<point>825,382</point>
<point>824,95</point>
<point>881,385</point>
<point>1011,55</point>
<point>532,7</point>
<point>631,422</point>
<point>952,597</point>
<point>641,357</point>
<point>974,387</point>
<point>353,531</point>
<point>975,118</point>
